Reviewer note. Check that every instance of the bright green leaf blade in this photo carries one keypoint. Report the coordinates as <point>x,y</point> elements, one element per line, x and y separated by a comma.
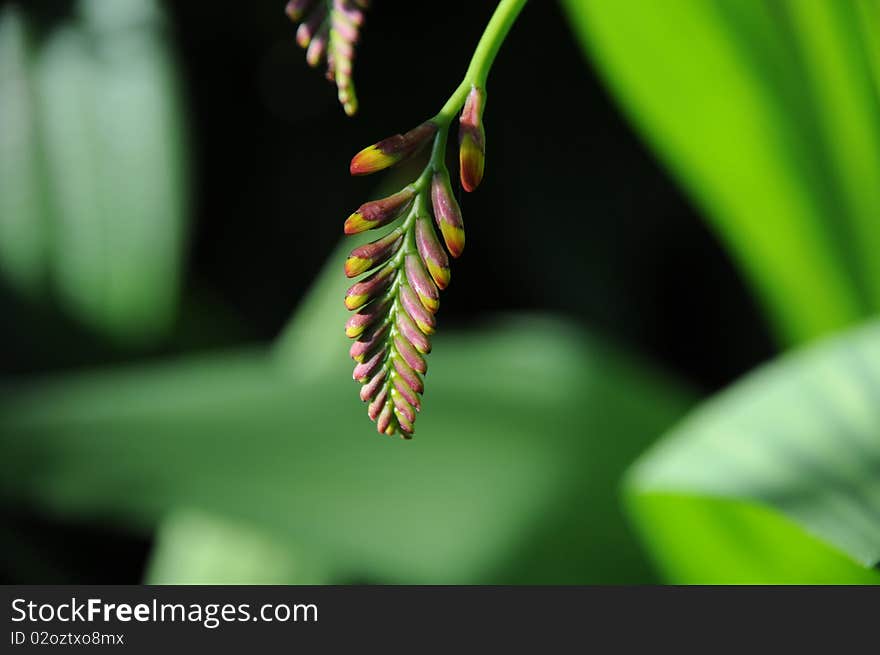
<point>525,430</point>
<point>23,238</point>
<point>701,540</point>
<point>800,436</point>
<point>767,114</point>
<point>831,41</point>
<point>193,547</point>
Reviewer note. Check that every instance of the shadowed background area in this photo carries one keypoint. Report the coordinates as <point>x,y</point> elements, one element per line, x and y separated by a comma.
<point>164,299</point>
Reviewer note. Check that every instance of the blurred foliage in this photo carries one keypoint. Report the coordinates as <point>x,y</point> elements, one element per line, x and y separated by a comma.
<point>242,456</point>
<point>257,465</point>
<point>481,499</point>
<point>768,113</point>
<point>710,540</point>
<point>23,238</point>
<point>194,547</point>
<point>800,436</point>
<point>92,179</point>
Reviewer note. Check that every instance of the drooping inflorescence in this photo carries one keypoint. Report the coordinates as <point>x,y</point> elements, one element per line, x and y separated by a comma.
<point>329,31</point>
<point>403,274</point>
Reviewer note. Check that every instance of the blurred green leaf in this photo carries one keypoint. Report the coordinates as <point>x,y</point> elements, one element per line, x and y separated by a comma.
<point>193,547</point>
<point>799,438</point>
<point>512,477</point>
<point>313,343</point>
<point>23,238</point>
<point>92,173</point>
<point>768,113</point>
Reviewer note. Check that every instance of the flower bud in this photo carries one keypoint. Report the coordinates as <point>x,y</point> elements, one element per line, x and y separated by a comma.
<point>432,252</point>
<point>472,140</point>
<point>417,312</point>
<point>378,403</point>
<point>400,405</point>
<point>392,150</point>
<point>361,293</point>
<point>369,315</point>
<point>368,342</point>
<point>371,388</point>
<point>317,47</point>
<point>307,29</point>
<point>368,256</point>
<point>412,333</point>
<point>404,390</point>
<point>363,372</point>
<point>350,10</point>
<point>447,213</point>
<point>377,213</point>
<point>410,355</point>
<point>296,9</point>
<point>409,376</point>
<point>345,27</point>
<point>421,283</point>
<point>403,422</point>
<point>384,424</point>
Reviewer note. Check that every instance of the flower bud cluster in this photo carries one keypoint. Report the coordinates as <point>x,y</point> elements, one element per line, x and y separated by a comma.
<point>329,31</point>
<point>397,298</point>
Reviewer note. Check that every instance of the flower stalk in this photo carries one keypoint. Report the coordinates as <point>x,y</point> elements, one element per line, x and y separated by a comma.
<point>404,271</point>
<point>329,30</point>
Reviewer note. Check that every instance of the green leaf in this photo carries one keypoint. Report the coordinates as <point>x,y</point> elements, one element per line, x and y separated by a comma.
<point>800,439</point>
<point>313,342</point>
<point>768,114</point>
<point>23,238</point>
<point>512,477</point>
<point>197,548</point>
<point>95,174</point>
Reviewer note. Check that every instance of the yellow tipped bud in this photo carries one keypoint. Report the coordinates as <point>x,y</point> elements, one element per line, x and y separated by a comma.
<point>472,140</point>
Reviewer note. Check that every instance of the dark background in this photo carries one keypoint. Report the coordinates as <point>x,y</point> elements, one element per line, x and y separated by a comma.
<point>575,216</point>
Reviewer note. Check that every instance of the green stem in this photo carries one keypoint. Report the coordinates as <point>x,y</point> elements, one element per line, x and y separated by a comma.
<point>481,63</point>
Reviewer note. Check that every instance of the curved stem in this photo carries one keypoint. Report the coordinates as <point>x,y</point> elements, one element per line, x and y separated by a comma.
<point>493,36</point>
<point>484,56</point>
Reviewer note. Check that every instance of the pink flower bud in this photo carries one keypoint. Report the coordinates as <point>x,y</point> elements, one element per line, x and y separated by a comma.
<point>472,140</point>
<point>377,213</point>
<point>374,253</point>
<point>421,283</point>
<point>392,150</point>
<point>447,213</point>
<point>432,252</point>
